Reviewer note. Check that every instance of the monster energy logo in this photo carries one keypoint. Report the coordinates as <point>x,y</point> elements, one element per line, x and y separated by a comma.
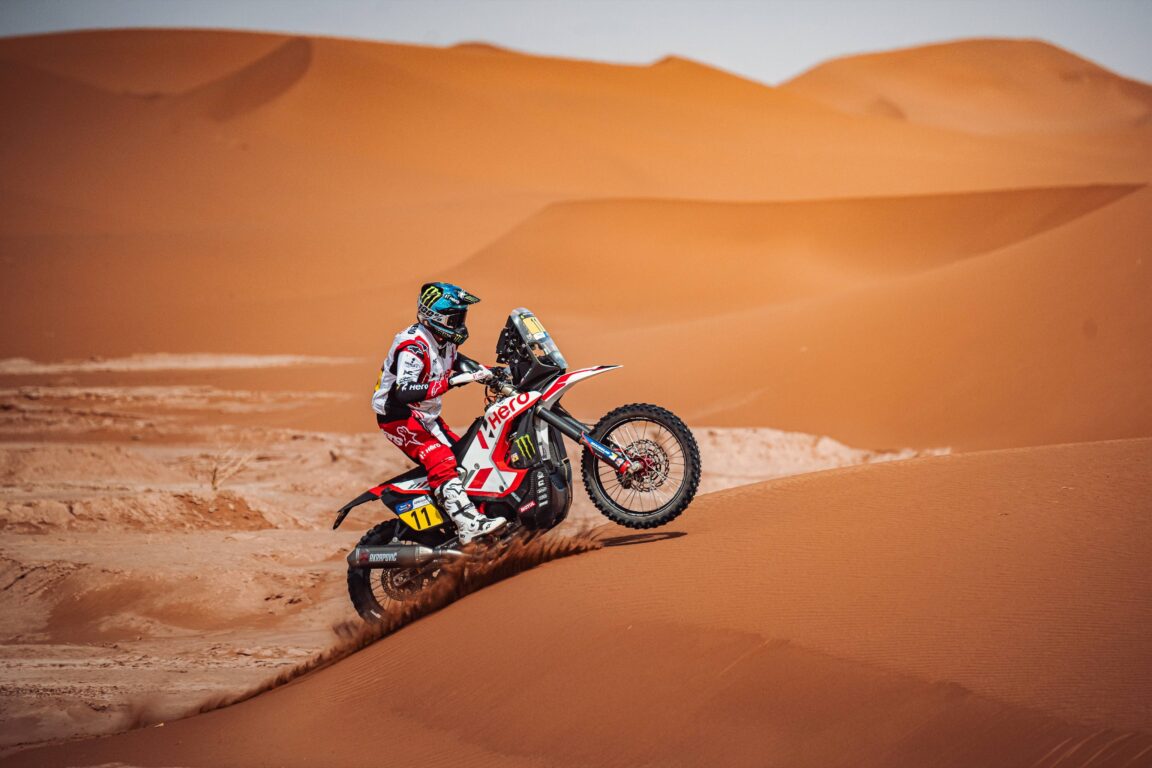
<point>525,447</point>
<point>431,293</point>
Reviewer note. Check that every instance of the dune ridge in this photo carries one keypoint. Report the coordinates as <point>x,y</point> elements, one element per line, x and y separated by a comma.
<point>259,83</point>
<point>1006,86</point>
<point>787,250</point>
<point>181,59</point>
<point>1042,341</point>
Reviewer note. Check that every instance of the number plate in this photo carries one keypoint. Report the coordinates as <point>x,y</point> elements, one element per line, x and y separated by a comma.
<point>534,327</point>
<point>422,515</point>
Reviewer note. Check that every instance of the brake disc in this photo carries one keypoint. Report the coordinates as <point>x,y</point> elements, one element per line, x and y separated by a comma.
<point>655,461</point>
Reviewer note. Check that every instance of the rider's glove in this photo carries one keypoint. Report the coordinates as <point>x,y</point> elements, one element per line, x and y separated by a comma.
<point>437,387</point>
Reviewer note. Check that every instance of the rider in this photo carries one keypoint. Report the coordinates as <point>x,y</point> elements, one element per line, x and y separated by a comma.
<point>420,367</point>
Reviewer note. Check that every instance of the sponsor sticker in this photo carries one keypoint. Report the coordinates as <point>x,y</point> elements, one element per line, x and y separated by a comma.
<point>526,507</point>
<point>498,414</point>
<point>525,446</point>
<point>403,507</point>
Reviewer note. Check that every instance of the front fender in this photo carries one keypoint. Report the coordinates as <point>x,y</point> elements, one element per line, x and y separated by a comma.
<point>556,390</point>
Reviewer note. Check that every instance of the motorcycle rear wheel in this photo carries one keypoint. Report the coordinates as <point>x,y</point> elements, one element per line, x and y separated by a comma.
<point>664,488</point>
<point>374,590</point>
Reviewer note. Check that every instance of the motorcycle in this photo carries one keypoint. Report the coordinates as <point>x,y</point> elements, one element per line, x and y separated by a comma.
<point>640,466</point>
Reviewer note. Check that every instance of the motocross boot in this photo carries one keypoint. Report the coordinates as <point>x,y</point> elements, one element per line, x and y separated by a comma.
<point>469,523</point>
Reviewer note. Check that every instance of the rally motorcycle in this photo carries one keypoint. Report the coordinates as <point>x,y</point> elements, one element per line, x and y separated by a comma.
<point>640,466</point>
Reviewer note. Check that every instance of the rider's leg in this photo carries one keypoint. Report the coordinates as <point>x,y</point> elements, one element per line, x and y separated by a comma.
<point>453,438</point>
<point>418,444</point>
<point>469,522</point>
<point>449,490</point>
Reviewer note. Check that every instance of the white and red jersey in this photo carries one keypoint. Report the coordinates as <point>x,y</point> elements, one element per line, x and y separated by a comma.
<point>408,378</point>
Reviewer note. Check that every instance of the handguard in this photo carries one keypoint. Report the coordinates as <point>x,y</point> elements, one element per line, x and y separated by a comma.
<point>460,379</point>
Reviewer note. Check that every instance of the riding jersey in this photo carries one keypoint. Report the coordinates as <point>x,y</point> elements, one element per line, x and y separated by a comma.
<point>413,377</point>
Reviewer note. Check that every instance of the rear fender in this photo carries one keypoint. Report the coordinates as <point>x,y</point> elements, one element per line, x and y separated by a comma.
<point>364,498</point>
<point>389,492</point>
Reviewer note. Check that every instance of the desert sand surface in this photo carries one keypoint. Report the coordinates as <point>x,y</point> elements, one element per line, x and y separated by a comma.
<point>896,614</point>
<point>166,547</point>
<point>941,254</point>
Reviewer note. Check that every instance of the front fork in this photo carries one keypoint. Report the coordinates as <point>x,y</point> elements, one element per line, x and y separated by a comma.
<point>575,430</point>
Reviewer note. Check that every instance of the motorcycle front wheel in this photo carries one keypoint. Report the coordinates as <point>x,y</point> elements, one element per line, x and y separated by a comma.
<point>657,441</point>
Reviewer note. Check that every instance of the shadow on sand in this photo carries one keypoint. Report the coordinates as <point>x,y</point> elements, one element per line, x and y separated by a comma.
<point>641,538</point>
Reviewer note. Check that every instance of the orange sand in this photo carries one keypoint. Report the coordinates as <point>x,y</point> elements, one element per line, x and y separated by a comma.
<point>226,192</point>
<point>899,614</point>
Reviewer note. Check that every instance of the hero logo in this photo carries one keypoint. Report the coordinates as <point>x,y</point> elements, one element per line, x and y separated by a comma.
<point>506,411</point>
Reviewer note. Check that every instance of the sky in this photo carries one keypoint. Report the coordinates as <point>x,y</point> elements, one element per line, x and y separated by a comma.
<point>765,40</point>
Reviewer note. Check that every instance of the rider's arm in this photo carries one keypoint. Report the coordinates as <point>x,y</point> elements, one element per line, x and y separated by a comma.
<point>463,363</point>
<point>409,370</point>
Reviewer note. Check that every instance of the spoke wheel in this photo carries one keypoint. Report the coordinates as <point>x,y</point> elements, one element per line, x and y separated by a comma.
<point>666,460</point>
<point>375,591</point>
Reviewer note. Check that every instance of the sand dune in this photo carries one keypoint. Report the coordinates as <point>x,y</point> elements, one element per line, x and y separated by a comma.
<point>208,203</point>
<point>250,87</point>
<point>298,171</point>
<point>997,334</point>
<point>179,60</point>
<point>887,615</point>
<point>983,86</point>
<point>754,255</point>
<point>1042,341</point>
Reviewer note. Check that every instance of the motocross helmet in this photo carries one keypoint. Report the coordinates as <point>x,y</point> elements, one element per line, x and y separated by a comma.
<point>442,309</point>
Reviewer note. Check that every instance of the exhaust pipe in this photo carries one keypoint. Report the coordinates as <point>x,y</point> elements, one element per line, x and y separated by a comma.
<point>398,556</point>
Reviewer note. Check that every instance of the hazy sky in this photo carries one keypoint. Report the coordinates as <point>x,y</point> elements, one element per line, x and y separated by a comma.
<point>767,40</point>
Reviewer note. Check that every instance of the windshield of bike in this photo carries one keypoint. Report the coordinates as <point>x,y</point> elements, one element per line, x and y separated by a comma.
<point>527,348</point>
